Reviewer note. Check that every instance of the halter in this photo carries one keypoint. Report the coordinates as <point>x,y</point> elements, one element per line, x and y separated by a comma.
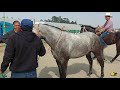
<point>61,29</point>
<point>37,28</point>
<point>84,29</point>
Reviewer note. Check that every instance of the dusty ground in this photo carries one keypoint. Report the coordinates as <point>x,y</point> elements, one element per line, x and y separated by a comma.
<point>77,68</point>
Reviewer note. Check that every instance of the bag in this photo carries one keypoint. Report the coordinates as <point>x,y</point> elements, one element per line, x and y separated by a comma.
<point>2,75</point>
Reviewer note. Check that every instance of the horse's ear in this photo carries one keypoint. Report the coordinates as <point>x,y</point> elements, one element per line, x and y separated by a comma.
<point>82,26</point>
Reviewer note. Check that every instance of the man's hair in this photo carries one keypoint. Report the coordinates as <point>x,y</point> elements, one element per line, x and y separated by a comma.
<point>16,22</point>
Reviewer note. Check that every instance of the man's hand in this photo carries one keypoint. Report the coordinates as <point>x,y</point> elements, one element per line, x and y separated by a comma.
<point>102,30</point>
<point>0,71</point>
<point>98,33</point>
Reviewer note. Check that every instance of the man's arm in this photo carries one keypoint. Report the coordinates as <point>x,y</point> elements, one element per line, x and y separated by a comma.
<point>42,50</point>
<point>8,55</point>
<point>108,25</point>
<point>5,38</point>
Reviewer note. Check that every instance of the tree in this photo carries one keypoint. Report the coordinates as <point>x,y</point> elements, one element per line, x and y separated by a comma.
<point>65,20</point>
<point>75,22</point>
<point>55,19</point>
<point>49,20</point>
<point>46,20</point>
<point>72,22</point>
<point>60,20</point>
<point>41,20</point>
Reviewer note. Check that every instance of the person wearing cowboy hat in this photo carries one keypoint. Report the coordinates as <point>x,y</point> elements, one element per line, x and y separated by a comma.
<point>105,29</point>
<point>108,26</point>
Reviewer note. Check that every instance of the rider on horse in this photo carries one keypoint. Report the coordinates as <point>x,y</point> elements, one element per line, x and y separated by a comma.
<point>105,30</point>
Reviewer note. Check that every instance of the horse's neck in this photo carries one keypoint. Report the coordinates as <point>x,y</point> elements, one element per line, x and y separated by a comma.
<point>51,36</point>
<point>91,29</point>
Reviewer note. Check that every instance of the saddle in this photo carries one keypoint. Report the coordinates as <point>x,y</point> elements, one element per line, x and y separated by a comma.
<point>110,38</point>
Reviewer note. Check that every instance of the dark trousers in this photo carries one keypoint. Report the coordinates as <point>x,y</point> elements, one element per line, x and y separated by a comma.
<point>101,38</point>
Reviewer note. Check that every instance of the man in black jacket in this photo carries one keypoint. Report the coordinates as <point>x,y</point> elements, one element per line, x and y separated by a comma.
<point>16,29</point>
<point>21,52</point>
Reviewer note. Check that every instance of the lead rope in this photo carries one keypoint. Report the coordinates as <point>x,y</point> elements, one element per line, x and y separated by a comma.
<point>62,29</point>
<point>49,49</point>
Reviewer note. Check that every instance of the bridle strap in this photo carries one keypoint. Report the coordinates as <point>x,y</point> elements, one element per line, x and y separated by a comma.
<point>84,29</point>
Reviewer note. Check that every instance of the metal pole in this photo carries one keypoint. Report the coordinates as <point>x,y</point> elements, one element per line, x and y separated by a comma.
<point>4,32</point>
<point>34,21</point>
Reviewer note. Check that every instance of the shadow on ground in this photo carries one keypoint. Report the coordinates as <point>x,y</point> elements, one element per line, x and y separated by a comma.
<point>72,69</point>
<point>109,58</point>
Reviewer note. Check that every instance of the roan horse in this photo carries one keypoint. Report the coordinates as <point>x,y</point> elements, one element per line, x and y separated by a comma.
<point>65,45</point>
<point>112,38</point>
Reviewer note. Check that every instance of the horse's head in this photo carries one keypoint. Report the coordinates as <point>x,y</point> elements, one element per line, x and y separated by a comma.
<point>85,28</point>
<point>37,30</point>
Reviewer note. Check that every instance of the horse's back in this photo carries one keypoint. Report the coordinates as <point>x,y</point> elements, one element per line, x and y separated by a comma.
<point>83,43</point>
<point>88,35</point>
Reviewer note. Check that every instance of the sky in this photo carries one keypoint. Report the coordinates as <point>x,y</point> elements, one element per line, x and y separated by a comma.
<point>88,18</point>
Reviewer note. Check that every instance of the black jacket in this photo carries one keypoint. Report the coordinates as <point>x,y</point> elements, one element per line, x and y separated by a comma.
<point>21,52</point>
<point>6,36</point>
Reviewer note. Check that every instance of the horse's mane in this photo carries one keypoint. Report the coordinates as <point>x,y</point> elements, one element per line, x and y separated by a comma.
<point>53,26</point>
<point>89,26</point>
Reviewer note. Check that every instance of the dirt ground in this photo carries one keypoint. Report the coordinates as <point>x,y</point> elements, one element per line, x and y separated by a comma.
<point>77,68</point>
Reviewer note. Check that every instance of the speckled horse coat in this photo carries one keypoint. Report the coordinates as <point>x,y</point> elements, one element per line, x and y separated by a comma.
<point>65,46</point>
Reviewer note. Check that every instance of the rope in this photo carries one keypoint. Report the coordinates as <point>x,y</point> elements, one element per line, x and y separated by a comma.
<point>56,42</point>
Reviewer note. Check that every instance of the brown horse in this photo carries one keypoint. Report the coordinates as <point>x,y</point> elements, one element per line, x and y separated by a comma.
<point>112,38</point>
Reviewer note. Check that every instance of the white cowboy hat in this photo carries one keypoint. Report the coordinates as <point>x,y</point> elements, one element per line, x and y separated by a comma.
<point>108,14</point>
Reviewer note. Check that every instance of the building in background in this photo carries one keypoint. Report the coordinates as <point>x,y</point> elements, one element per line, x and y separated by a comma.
<point>8,25</point>
<point>72,28</point>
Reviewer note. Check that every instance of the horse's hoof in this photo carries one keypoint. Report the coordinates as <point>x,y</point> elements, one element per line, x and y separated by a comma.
<point>94,57</point>
<point>111,61</point>
<point>89,74</point>
<point>102,76</point>
<point>105,60</point>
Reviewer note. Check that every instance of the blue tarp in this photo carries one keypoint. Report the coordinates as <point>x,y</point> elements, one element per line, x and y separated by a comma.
<point>8,27</point>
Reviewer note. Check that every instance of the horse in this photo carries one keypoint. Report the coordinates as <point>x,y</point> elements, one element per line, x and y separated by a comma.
<point>112,38</point>
<point>65,45</point>
<point>85,28</point>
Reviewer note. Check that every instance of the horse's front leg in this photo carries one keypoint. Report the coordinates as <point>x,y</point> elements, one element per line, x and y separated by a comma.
<point>62,65</point>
